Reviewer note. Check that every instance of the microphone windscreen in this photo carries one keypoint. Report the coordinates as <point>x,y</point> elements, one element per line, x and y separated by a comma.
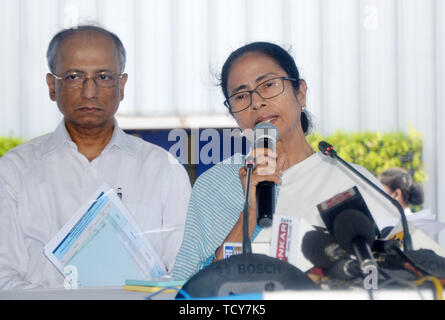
<point>351,224</point>
<point>313,247</point>
<point>265,133</point>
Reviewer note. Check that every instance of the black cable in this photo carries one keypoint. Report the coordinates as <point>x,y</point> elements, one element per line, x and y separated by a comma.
<point>409,260</point>
<point>247,245</point>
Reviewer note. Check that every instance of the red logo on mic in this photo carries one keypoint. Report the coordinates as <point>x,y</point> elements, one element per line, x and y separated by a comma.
<point>283,232</point>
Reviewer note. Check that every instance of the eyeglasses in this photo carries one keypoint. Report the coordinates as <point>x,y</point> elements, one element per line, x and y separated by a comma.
<point>77,79</point>
<point>268,89</point>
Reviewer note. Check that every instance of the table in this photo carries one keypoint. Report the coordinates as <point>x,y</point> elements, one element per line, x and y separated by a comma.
<point>99,293</point>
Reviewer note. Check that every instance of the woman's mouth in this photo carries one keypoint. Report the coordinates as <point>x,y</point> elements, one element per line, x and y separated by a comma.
<point>268,119</point>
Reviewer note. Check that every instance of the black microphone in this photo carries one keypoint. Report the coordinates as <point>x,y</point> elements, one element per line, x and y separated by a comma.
<point>246,272</point>
<point>328,149</point>
<point>321,249</point>
<point>424,260</point>
<point>266,136</point>
<point>345,269</point>
<point>355,233</point>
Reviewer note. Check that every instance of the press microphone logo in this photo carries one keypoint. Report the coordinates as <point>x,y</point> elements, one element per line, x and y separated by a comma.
<point>71,277</point>
<point>282,247</point>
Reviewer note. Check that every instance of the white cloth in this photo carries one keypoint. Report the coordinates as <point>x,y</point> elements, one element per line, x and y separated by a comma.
<point>426,221</point>
<point>44,181</point>
<point>319,178</point>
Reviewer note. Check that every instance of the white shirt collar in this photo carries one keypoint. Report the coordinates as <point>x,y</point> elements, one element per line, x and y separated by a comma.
<point>408,211</point>
<point>60,136</point>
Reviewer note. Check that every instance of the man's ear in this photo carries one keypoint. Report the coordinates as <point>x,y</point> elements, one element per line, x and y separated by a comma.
<point>122,85</point>
<point>51,82</point>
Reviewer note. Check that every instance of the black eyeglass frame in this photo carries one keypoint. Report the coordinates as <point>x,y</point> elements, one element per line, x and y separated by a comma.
<point>227,104</point>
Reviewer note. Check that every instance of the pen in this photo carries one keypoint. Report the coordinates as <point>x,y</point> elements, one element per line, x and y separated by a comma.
<point>119,193</point>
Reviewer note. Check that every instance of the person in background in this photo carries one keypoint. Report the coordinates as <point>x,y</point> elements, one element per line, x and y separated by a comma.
<point>261,83</point>
<point>399,184</point>
<point>43,182</point>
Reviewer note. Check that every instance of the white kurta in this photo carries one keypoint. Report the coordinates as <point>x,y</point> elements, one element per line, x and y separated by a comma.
<point>44,181</point>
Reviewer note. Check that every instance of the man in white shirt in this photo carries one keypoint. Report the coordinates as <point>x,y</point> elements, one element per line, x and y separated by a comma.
<point>44,181</point>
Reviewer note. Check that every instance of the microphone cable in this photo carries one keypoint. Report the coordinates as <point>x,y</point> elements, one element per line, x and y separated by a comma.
<point>438,287</point>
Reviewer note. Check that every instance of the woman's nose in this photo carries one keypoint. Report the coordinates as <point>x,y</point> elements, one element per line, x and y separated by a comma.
<point>257,101</point>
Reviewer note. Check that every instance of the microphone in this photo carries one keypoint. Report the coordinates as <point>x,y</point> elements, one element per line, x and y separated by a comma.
<point>321,249</point>
<point>356,234</point>
<point>328,149</point>
<point>346,200</point>
<point>324,252</point>
<point>265,136</point>
<point>249,272</point>
<point>345,269</point>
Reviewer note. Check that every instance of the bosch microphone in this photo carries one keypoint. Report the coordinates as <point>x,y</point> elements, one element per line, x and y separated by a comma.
<point>266,136</point>
<point>328,149</point>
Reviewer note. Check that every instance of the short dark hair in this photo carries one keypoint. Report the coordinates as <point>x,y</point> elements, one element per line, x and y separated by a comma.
<point>399,178</point>
<point>281,56</point>
<point>61,35</point>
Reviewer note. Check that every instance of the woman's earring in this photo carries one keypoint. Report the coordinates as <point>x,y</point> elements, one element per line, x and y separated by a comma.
<point>303,109</point>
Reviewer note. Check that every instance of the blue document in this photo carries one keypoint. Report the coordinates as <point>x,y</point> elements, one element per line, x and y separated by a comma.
<point>102,245</point>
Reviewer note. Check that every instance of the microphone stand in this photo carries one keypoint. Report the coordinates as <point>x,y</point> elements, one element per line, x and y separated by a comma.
<point>247,272</point>
<point>363,253</point>
<point>407,242</point>
<point>247,245</point>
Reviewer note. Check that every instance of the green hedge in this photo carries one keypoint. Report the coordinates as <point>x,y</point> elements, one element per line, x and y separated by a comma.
<point>7,143</point>
<point>379,151</point>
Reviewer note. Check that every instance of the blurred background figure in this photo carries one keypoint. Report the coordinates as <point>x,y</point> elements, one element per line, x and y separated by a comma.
<point>399,184</point>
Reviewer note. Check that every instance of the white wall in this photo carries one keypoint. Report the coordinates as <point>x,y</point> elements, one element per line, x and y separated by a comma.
<point>369,64</point>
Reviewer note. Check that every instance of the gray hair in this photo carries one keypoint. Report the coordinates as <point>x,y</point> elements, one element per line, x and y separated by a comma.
<point>61,35</point>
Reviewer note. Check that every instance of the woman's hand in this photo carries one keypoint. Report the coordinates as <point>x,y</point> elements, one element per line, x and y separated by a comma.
<point>268,167</point>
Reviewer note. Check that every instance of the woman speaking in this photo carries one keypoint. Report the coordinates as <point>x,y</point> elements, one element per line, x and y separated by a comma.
<point>261,84</point>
